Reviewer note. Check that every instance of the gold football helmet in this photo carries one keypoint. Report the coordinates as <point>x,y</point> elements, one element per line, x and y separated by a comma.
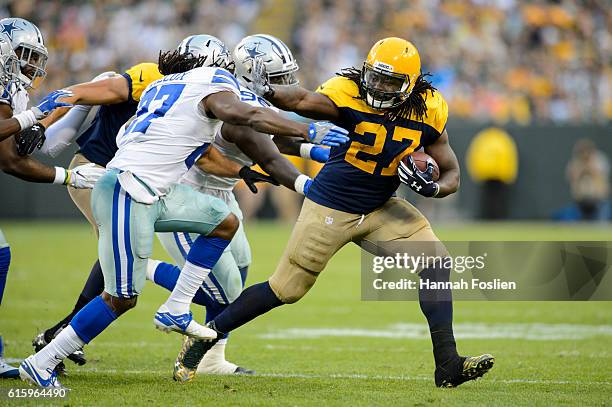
<point>390,72</point>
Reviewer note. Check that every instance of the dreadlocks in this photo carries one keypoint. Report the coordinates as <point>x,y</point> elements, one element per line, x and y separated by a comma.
<point>414,103</point>
<point>174,62</point>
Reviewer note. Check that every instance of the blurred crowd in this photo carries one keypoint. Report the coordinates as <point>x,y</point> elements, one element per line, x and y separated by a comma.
<point>494,60</point>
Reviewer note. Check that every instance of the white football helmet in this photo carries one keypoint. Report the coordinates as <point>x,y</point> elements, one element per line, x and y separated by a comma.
<point>9,65</point>
<point>27,42</point>
<point>213,50</point>
<point>277,58</point>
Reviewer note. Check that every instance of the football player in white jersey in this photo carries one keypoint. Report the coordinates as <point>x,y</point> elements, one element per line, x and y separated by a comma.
<point>20,45</point>
<point>27,43</point>
<point>245,146</point>
<point>176,121</point>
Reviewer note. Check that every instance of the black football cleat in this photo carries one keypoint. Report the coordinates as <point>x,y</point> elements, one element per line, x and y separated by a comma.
<point>464,369</point>
<point>244,371</point>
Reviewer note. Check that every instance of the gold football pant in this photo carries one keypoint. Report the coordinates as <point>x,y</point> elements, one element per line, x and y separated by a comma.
<point>321,231</point>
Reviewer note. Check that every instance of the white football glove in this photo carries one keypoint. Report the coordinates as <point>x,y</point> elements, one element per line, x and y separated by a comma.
<point>259,74</point>
<point>80,177</point>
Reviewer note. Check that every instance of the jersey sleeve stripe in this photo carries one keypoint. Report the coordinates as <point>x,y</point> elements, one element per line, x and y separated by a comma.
<point>229,78</point>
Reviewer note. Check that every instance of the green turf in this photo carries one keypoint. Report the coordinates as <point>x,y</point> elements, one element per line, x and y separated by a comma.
<point>131,363</point>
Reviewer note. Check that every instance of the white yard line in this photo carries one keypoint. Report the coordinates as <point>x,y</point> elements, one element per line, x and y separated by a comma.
<point>350,376</point>
<point>535,332</point>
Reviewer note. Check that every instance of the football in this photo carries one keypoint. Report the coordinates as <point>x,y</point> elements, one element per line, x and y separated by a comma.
<point>420,160</point>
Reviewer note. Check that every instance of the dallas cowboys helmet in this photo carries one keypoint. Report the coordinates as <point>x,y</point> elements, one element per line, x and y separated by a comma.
<point>278,60</point>
<point>27,42</point>
<point>9,64</point>
<point>213,50</point>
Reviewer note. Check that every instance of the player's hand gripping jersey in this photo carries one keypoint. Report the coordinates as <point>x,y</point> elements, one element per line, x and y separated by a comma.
<point>171,129</point>
<point>361,176</point>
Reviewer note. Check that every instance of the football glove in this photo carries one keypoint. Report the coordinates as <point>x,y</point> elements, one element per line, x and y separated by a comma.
<point>420,182</point>
<point>83,176</point>
<point>250,177</point>
<point>29,139</point>
<point>327,134</point>
<point>261,85</point>
<point>50,103</point>
<point>319,154</point>
<point>315,153</point>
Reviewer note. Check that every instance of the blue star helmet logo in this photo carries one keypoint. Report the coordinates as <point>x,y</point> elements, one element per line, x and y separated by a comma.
<point>8,28</point>
<point>254,51</point>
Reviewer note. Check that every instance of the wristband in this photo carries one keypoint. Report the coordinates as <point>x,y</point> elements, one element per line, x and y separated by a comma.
<point>300,182</point>
<point>305,149</point>
<point>26,119</point>
<point>62,176</point>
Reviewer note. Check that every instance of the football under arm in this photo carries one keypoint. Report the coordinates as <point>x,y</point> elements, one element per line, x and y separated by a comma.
<point>444,155</point>
<point>262,150</point>
<point>226,106</point>
<point>304,102</point>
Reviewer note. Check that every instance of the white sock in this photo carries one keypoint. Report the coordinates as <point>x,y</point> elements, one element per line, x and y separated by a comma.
<point>151,268</point>
<point>216,354</point>
<point>65,343</point>
<point>188,283</point>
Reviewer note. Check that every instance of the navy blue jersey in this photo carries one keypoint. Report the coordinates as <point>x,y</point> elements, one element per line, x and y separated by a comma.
<point>98,142</point>
<point>361,175</point>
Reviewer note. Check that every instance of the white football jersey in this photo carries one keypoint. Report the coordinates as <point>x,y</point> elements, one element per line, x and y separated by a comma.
<point>171,129</point>
<point>16,97</point>
<point>198,178</point>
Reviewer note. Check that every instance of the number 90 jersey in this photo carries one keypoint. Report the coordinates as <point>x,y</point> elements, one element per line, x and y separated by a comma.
<point>361,175</point>
<point>171,129</point>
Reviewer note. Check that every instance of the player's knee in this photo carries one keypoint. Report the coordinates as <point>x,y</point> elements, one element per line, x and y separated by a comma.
<point>227,228</point>
<point>291,290</point>
<point>119,305</point>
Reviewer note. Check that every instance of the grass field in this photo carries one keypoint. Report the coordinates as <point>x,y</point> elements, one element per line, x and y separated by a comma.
<point>330,348</point>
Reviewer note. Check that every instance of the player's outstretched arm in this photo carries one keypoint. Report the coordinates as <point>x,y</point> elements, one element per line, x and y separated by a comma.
<point>262,150</point>
<point>292,98</point>
<point>227,107</point>
<point>299,148</point>
<point>105,89</point>
<point>444,155</point>
<point>103,92</point>
<point>303,102</point>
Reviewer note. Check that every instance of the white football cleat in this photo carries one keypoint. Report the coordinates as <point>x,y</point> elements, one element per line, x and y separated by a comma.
<point>183,324</point>
<point>7,371</point>
<point>214,362</point>
<point>32,374</point>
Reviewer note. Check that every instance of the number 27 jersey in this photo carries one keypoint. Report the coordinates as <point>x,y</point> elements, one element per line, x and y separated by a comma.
<point>171,129</point>
<point>361,175</point>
